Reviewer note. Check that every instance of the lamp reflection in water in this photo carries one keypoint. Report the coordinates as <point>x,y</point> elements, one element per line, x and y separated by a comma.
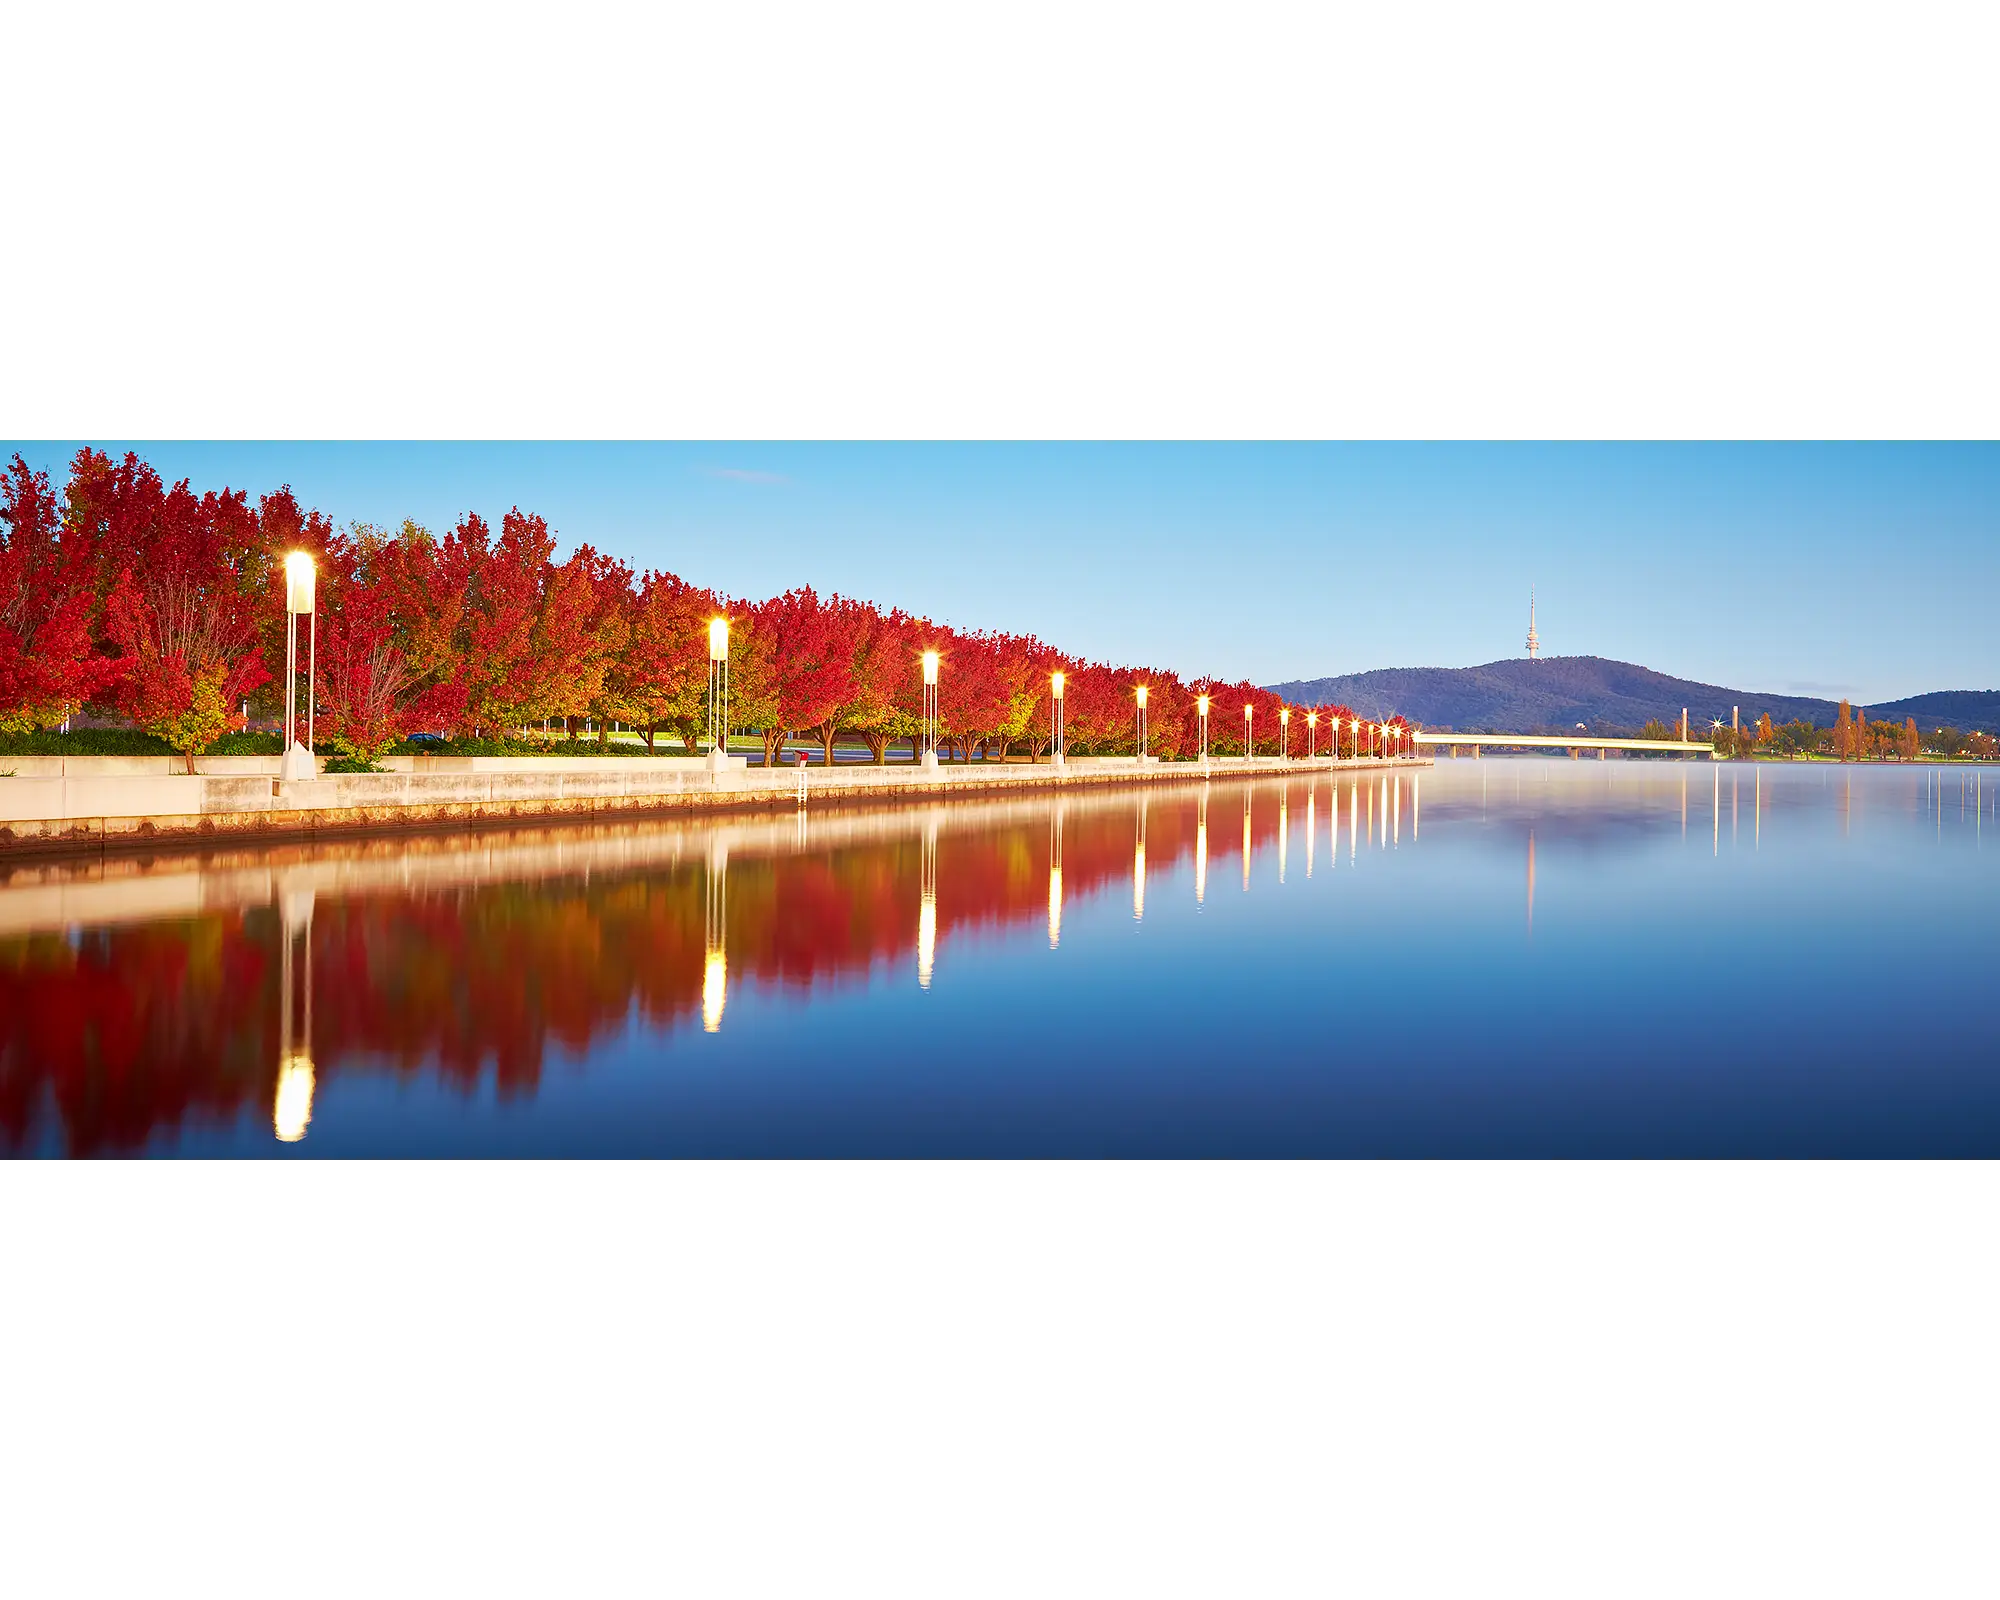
<point>927,911</point>
<point>715,959</point>
<point>1201,847</point>
<point>1139,866</point>
<point>1284,829</point>
<point>1396,812</point>
<point>1531,883</point>
<point>1246,841</point>
<point>1055,876</point>
<point>1311,824</point>
<point>292,1106</point>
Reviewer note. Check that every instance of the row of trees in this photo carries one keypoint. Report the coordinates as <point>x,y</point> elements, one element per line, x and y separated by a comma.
<point>1853,737</point>
<point>167,607</point>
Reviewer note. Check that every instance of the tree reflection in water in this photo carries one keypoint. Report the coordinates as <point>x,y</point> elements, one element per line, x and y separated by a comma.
<point>465,957</point>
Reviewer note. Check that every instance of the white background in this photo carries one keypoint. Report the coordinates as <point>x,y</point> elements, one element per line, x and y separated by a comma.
<point>1042,220</point>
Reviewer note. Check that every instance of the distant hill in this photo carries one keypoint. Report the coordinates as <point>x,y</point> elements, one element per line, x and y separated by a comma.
<point>1557,692</point>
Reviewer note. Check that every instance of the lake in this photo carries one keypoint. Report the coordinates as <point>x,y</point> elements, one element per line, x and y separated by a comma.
<point>1481,958</point>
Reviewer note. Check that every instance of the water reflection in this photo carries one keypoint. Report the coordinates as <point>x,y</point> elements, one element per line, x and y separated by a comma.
<point>927,908</point>
<point>1201,846</point>
<point>715,936</point>
<point>1055,876</point>
<point>1139,865</point>
<point>184,1001</point>
<point>291,1109</point>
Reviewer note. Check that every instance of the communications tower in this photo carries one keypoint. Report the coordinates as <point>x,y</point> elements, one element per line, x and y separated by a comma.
<point>1534,640</point>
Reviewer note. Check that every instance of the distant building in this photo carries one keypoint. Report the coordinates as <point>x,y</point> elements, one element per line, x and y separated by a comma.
<point>1534,639</point>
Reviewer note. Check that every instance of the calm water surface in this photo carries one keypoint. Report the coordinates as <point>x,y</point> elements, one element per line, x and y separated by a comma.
<point>1483,958</point>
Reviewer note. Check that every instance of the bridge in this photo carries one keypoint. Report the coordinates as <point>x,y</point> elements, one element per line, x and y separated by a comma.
<point>1563,741</point>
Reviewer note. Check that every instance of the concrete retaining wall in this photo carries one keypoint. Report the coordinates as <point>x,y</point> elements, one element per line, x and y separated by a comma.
<point>86,813</point>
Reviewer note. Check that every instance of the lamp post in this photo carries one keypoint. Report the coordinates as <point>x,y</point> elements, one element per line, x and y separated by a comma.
<point>297,762</point>
<point>1284,733</point>
<point>1248,712</point>
<point>718,694</point>
<point>930,710</point>
<point>1354,735</point>
<point>1312,737</point>
<point>1139,742</point>
<point>1055,720</point>
<point>1201,710</point>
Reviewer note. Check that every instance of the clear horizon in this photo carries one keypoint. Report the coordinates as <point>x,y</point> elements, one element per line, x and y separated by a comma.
<point>1814,569</point>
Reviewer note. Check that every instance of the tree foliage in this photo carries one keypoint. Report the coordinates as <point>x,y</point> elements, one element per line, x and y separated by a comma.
<point>125,595</point>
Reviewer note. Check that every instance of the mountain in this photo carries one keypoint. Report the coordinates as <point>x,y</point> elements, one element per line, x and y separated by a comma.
<point>1558,692</point>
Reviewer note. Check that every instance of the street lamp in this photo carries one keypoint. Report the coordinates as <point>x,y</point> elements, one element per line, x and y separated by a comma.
<point>1284,733</point>
<point>1201,710</point>
<point>1248,712</point>
<point>718,693</point>
<point>1312,735</point>
<point>298,762</point>
<point>1140,742</point>
<point>930,710</point>
<point>1354,735</point>
<point>1056,719</point>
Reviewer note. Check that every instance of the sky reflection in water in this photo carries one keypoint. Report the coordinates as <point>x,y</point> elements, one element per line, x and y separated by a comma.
<point>1484,958</point>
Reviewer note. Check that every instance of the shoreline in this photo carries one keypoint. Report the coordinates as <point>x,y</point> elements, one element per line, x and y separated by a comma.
<point>254,809</point>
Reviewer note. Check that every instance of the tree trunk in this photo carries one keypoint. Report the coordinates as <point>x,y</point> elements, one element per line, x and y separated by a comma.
<point>603,734</point>
<point>650,729</point>
<point>773,738</point>
<point>826,738</point>
<point>878,747</point>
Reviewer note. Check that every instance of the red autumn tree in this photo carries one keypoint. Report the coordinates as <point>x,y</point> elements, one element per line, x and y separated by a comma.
<point>579,629</point>
<point>660,677</point>
<point>849,633</point>
<point>882,658</point>
<point>1027,664</point>
<point>184,612</point>
<point>811,667</point>
<point>49,666</point>
<point>503,603</point>
<point>433,582</point>
<point>365,680</point>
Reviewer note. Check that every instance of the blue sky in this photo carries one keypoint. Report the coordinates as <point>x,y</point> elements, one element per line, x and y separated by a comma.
<point>1870,570</point>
